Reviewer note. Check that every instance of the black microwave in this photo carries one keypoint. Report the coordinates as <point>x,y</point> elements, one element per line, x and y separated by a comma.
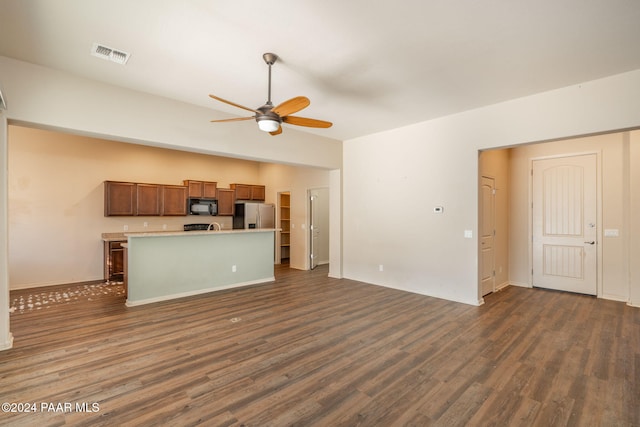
<point>203,207</point>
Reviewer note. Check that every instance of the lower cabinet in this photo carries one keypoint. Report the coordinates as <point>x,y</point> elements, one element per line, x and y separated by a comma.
<point>114,260</point>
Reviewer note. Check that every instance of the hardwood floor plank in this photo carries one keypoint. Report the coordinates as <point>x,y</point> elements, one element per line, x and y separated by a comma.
<point>308,350</point>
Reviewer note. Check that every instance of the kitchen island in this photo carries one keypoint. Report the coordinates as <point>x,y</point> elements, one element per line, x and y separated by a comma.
<point>167,265</point>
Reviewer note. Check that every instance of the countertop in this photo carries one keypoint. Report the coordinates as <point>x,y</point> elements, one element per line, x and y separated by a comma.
<point>109,237</point>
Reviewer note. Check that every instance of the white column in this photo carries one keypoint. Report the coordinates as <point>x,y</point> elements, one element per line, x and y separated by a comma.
<point>6,339</point>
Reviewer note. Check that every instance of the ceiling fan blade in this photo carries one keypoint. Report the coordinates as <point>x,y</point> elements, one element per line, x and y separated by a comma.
<point>235,119</point>
<point>233,103</point>
<point>276,132</point>
<point>291,106</point>
<point>303,121</point>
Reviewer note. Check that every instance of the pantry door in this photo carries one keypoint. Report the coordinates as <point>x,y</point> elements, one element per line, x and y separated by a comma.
<point>487,234</point>
<point>564,223</point>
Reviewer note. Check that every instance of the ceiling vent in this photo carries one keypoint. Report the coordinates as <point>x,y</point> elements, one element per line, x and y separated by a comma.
<point>110,54</point>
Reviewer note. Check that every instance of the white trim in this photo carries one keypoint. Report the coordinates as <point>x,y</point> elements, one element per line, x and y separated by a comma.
<point>521,284</point>
<point>198,292</point>
<point>8,344</point>
<point>631,304</point>
<point>502,286</point>
<point>614,298</point>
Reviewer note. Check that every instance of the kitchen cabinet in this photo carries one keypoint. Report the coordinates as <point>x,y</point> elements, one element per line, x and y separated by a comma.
<point>149,199</point>
<point>136,199</point>
<point>114,261</point>
<point>201,189</point>
<point>174,200</point>
<point>258,192</point>
<point>249,191</point>
<point>119,198</point>
<point>226,201</point>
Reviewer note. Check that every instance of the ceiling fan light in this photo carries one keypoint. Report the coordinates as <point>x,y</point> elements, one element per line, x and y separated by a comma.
<point>268,125</point>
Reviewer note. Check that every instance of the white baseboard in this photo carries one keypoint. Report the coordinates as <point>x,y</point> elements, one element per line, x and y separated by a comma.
<point>197,292</point>
<point>614,298</point>
<point>502,286</point>
<point>55,283</point>
<point>520,284</point>
<point>7,344</point>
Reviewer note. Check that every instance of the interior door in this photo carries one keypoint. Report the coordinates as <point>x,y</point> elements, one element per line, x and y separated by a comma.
<point>564,224</point>
<point>487,235</point>
<point>313,230</point>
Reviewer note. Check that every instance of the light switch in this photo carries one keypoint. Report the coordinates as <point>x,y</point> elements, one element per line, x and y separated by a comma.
<point>468,234</point>
<point>611,232</point>
<point>438,209</point>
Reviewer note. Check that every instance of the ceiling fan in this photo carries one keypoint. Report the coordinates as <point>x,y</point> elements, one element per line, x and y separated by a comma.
<point>269,118</point>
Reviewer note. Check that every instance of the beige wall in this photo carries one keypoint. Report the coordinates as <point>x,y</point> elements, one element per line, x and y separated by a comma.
<point>634,218</point>
<point>613,197</point>
<point>392,180</point>
<point>56,198</point>
<point>297,181</point>
<point>495,164</point>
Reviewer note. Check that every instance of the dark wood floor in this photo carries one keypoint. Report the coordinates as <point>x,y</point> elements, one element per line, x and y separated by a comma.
<point>312,351</point>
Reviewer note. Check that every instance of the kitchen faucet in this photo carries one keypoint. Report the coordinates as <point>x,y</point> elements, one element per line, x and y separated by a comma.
<point>212,226</point>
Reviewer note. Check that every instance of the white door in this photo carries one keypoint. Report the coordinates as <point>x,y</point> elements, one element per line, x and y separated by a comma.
<point>487,234</point>
<point>564,224</point>
<point>313,229</point>
<point>319,226</point>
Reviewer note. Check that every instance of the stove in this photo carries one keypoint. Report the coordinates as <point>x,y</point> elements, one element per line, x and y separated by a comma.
<point>196,227</point>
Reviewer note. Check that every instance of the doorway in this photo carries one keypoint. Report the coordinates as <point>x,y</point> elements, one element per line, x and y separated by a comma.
<point>318,227</point>
<point>487,235</point>
<point>283,251</point>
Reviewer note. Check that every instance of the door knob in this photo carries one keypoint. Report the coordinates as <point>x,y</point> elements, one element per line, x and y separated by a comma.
<point>590,243</point>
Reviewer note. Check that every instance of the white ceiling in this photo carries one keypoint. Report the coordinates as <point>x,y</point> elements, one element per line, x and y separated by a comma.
<point>366,65</point>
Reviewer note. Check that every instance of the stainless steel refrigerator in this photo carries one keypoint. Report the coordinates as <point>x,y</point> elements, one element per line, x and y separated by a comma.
<point>254,215</point>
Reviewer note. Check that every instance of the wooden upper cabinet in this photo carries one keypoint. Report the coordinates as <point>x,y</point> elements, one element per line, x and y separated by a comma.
<point>258,192</point>
<point>119,198</point>
<point>149,198</point>
<point>226,201</point>
<point>174,200</point>
<point>249,191</point>
<point>243,191</point>
<point>201,189</point>
<point>209,190</point>
<point>134,199</point>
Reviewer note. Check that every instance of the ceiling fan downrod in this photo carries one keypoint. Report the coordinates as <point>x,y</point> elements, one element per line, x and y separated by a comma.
<point>270,59</point>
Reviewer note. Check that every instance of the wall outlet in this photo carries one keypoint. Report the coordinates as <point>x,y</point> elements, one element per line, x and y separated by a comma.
<point>381,267</point>
<point>233,269</point>
<point>438,209</point>
<point>126,228</point>
<point>164,226</point>
<point>145,224</point>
